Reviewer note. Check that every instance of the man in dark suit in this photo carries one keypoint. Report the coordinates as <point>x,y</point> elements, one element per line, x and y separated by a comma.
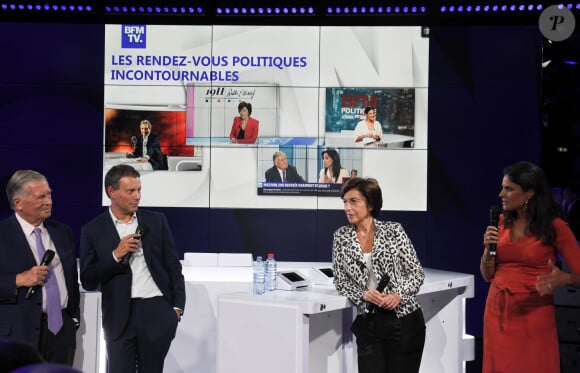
<point>147,147</point>
<point>130,255</point>
<point>48,317</point>
<point>281,172</point>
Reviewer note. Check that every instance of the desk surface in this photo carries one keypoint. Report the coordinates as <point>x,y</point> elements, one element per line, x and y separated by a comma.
<point>307,330</point>
<point>112,159</point>
<point>271,141</point>
<point>194,348</point>
<point>435,279</point>
<point>346,140</point>
<point>311,300</point>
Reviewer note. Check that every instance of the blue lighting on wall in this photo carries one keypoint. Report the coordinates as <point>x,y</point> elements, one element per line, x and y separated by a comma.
<point>393,8</point>
<point>264,10</point>
<point>494,8</point>
<point>377,10</point>
<point>154,10</point>
<point>46,7</point>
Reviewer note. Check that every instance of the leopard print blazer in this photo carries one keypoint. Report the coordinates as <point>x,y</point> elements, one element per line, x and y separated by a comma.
<point>392,253</point>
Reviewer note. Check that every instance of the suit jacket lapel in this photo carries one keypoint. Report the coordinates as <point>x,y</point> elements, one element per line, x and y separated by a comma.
<point>56,239</point>
<point>21,241</point>
<point>144,240</point>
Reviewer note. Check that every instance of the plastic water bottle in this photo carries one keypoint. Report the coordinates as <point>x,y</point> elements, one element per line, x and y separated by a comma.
<point>271,273</point>
<point>259,277</point>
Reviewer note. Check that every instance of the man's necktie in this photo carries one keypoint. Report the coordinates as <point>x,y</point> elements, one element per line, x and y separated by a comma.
<point>53,310</point>
<point>284,176</point>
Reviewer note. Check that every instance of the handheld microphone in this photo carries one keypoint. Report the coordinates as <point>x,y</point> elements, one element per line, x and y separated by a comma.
<point>134,142</point>
<point>371,307</point>
<point>46,259</point>
<point>494,212</point>
<point>141,230</point>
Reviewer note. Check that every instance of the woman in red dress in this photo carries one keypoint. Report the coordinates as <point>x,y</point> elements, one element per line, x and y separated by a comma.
<point>519,322</point>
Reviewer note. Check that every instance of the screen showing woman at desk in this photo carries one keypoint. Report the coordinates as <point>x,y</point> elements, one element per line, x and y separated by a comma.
<point>244,128</point>
<point>332,172</point>
<point>368,130</point>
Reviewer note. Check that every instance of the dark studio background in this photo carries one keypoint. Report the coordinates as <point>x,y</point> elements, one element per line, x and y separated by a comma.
<point>486,111</point>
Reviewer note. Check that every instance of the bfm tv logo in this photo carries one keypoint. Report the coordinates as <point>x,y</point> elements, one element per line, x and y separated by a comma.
<point>133,36</point>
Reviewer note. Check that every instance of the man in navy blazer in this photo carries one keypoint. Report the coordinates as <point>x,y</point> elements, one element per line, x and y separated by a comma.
<point>281,172</point>
<point>129,254</point>
<point>29,195</point>
<point>149,142</point>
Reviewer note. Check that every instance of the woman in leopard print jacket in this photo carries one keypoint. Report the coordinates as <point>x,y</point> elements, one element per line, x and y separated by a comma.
<point>366,254</point>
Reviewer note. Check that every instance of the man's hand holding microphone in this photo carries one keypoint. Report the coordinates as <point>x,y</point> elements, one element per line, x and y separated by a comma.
<point>129,244</point>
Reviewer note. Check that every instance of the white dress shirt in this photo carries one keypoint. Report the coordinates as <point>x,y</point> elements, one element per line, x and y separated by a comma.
<point>143,285</point>
<point>145,140</point>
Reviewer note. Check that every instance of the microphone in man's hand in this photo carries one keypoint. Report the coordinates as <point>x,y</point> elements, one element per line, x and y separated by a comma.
<point>134,141</point>
<point>494,212</point>
<point>141,230</point>
<point>46,259</point>
<point>371,307</point>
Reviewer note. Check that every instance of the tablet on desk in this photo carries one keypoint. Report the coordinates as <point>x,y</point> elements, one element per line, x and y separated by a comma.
<point>291,280</point>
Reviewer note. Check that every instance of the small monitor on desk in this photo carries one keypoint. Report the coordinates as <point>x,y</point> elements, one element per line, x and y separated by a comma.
<point>327,271</point>
<point>291,280</point>
<point>322,275</point>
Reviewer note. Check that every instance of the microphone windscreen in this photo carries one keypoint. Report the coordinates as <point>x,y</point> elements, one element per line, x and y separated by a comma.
<point>47,258</point>
<point>494,212</point>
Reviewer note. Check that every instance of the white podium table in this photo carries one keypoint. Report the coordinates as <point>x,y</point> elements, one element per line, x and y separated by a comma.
<point>226,329</point>
<point>309,330</point>
<point>284,332</point>
<point>90,350</point>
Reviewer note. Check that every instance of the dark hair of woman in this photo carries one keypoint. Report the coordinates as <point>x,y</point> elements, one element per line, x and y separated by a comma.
<point>246,105</point>
<point>370,190</point>
<point>336,166</point>
<point>541,208</point>
<point>368,108</point>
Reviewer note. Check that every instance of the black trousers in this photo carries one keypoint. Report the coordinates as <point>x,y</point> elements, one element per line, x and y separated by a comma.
<point>59,348</point>
<point>387,344</point>
<point>144,343</point>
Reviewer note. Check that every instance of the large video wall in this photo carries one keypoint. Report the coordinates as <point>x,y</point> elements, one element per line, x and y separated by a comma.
<point>308,87</point>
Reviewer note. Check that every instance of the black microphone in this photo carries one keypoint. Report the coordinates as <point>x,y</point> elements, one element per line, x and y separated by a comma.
<point>46,259</point>
<point>141,230</point>
<point>134,141</point>
<point>494,212</point>
<point>371,307</point>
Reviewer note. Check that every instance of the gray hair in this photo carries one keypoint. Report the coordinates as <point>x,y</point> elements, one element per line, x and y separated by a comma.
<point>276,154</point>
<point>18,182</point>
<point>146,122</point>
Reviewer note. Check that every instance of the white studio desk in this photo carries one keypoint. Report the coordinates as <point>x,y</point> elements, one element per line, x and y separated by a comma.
<point>225,326</point>
<point>345,139</point>
<point>111,159</point>
<point>309,330</point>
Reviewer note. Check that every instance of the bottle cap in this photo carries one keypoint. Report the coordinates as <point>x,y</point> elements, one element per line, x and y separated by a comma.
<point>270,255</point>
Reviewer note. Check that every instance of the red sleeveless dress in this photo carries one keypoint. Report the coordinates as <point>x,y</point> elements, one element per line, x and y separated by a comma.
<point>519,325</point>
